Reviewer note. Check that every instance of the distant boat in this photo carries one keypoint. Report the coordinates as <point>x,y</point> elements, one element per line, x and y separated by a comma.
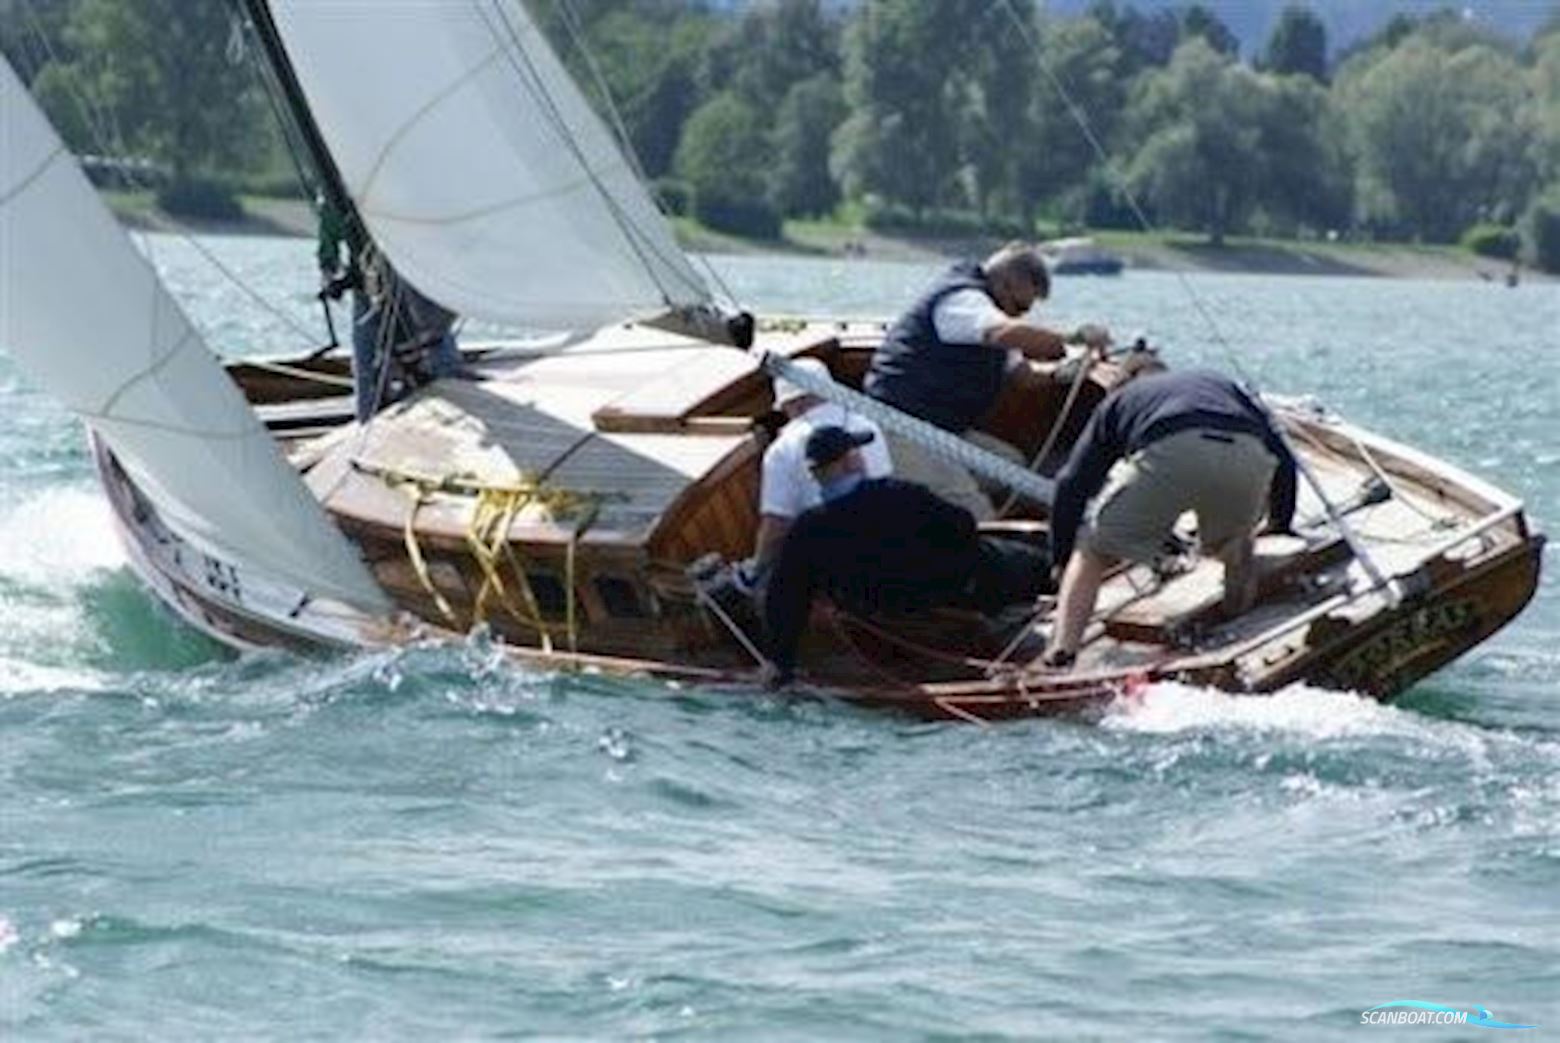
<point>1080,255</point>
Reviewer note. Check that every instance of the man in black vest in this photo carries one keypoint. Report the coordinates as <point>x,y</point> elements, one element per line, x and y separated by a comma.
<point>946,359</point>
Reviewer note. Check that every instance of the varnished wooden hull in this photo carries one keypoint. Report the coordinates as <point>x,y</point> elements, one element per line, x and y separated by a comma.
<point>629,608</point>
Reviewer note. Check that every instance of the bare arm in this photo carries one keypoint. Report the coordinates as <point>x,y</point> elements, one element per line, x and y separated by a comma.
<point>772,529</point>
<point>1033,342</point>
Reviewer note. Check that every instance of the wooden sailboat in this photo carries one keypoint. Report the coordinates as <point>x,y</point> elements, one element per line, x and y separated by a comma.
<point>633,454</point>
<point>560,500</point>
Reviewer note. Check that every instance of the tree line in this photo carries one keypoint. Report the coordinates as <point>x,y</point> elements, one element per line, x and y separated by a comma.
<point>931,115</point>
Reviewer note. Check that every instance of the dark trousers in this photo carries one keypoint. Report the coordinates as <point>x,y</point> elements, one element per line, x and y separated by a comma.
<point>1009,572</point>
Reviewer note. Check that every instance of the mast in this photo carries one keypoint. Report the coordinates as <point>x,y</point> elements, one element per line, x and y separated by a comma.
<point>284,80</point>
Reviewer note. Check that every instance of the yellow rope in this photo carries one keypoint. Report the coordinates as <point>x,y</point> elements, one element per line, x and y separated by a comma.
<point>585,522</point>
<point>487,537</point>
<point>414,553</point>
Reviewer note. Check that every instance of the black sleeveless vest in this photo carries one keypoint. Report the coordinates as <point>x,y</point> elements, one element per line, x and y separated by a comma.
<point>950,385</point>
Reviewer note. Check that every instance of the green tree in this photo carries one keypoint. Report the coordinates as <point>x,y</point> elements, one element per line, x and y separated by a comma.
<point>161,69</point>
<point>1443,138</point>
<point>1087,64</point>
<point>773,47</point>
<point>724,158</point>
<point>1541,228</point>
<point>1200,122</point>
<point>997,112</point>
<point>650,62</point>
<point>802,183</point>
<point>1298,45</point>
<point>1446,28</point>
<point>1545,86</point>
<point>1307,175</point>
<point>64,97</point>
<point>1145,41</point>
<point>1197,20</point>
<point>32,34</point>
<point>904,86</point>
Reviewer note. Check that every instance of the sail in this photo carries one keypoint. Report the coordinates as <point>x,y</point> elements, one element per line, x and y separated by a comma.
<point>479,167</point>
<point>83,313</point>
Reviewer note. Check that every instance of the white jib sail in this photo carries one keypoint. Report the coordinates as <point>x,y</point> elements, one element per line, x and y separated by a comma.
<point>83,313</point>
<point>479,166</point>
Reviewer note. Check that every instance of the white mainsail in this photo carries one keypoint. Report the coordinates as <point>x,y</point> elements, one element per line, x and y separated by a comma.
<point>83,313</point>
<point>479,167</point>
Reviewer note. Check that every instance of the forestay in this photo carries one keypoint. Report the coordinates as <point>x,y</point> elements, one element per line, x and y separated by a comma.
<point>84,314</point>
<point>479,166</point>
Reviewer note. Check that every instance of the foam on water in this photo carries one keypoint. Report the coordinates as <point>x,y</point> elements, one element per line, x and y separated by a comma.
<point>1169,707</point>
<point>59,537</point>
<point>20,677</point>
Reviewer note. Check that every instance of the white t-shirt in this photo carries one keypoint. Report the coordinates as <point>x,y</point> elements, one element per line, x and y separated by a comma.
<point>966,316</point>
<point>787,488</point>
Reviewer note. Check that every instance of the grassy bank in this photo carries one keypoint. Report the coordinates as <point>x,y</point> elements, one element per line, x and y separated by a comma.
<point>1151,251</point>
<point>1158,251</point>
<point>263,215</point>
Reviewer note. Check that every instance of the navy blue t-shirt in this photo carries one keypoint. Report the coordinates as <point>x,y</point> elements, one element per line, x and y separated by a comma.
<point>1145,410</point>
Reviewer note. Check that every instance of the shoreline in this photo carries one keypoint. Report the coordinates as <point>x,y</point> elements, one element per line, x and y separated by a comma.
<point>1169,253</point>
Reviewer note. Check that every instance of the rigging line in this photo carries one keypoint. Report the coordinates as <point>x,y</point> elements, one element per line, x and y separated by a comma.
<point>34,175</point>
<point>110,139</point>
<point>1112,170</point>
<point>531,81</point>
<point>264,77</point>
<point>389,308</point>
<point>1378,579</point>
<point>1369,460</point>
<point>638,240</point>
<point>570,19</point>
<point>720,280</point>
<point>636,237</point>
<point>97,119</point>
<point>171,228</point>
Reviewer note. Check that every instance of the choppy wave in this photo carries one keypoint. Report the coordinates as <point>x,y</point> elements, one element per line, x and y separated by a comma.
<point>1300,709</point>
<point>58,538</point>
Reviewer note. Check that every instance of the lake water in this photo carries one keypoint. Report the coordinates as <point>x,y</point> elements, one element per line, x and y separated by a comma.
<point>427,843</point>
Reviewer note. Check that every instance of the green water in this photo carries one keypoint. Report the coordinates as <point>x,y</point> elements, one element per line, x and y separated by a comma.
<point>428,843</point>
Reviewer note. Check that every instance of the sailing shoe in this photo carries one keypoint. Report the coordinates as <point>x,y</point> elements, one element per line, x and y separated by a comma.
<point>1059,659</point>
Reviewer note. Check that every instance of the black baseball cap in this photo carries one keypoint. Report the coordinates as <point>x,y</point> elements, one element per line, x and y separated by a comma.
<point>828,444</point>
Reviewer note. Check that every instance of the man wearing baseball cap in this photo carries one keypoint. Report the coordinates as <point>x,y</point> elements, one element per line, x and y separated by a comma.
<point>879,545</point>
<point>786,486</point>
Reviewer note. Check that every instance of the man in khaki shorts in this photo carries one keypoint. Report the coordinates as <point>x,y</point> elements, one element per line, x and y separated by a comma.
<point>1159,445</point>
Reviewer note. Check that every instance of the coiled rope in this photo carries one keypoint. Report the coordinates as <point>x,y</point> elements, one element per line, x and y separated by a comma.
<point>494,510</point>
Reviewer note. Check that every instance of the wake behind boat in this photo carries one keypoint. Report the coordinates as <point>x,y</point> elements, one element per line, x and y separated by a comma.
<point>563,498</point>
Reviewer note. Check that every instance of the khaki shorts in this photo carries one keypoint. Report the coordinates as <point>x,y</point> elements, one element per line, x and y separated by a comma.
<point>950,481</point>
<point>1223,476</point>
